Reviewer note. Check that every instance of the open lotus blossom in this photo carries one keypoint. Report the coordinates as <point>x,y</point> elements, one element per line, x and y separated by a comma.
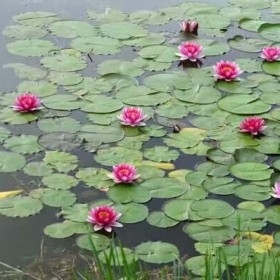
<point>124,173</point>
<point>104,217</point>
<point>190,50</point>
<point>132,116</point>
<point>226,70</point>
<point>189,26</point>
<point>253,125</point>
<point>276,190</point>
<point>26,102</point>
<point>271,53</point>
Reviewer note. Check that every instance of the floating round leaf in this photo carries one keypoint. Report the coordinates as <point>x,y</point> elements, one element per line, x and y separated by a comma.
<point>119,256</point>
<point>23,144</point>
<point>59,141</point>
<point>96,45</point>
<point>72,29</point>
<point>121,67</point>
<point>41,88</point>
<point>116,155</point>
<point>37,169</point>
<point>7,115</point>
<point>161,153</point>
<point>254,171</point>
<point>250,24</point>
<point>59,181</point>
<point>76,212</point>
<point>212,208</point>
<point>208,234</point>
<point>37,18</point>
<point>132,212</point>
<point>24,71</point>
<point>58,198</point>
<point>272,68</point>
<point>159,219</point>
<point>65,78</point>
<point>32,47</point>
<point>64,63</point>
<point>253,192</point>
<point>273,214</point>
<point>157,252</point>
<point>20,206</point>
<point>101,104</point>
<point>159,53</point>
<point>125,194</point>
<point>24,32</point>
<point>61,161</point>
<point>62,102</point>
<point>59,230</point>
<point>123,30</point>
<point>251,206</point>
<point>164,187</point>
<point>59,124</point>
<point>94,241</point>
<point>11,162</point>
<point>243,104</point>
<point>148,40</point>
<point>270,31</point>
<point>247,44</point>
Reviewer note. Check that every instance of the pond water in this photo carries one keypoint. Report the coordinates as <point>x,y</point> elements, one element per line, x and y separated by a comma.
<point>23,239</point>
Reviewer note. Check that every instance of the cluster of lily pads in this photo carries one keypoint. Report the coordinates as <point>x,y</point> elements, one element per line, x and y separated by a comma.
<point>187,112</point>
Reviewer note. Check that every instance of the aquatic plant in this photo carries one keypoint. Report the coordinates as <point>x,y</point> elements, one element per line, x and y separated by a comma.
<point>189,26</point>
<point>190,51</point>
<point>252,125</point>
<point>26,102</point>
<point>270,53</point>
<point>132,116</point>
<point>104,217</point>
<point>226,70</point>
<point>124,173</point>
<point>276,190</point>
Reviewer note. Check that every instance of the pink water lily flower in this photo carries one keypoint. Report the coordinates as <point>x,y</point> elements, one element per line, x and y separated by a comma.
<point>271,53</point>
<point>104,217</point>
<point>132,116</point>
<point>124,173</point>
<point>226,70</point>
<point>276,190</point>
<point>253,125</point>
<point>27,102</point>
<point>189,26</point>
<point>190,50</point>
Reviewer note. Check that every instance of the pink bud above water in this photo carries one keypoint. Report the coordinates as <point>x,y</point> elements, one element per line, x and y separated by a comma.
<point>104,217</point>
<point>189,26</point>
<point>270,53</point>
<point>226,70</point>
<point>190,51</point>
<point>124,173</point>
<point>253,125</point>
<point>132,116</point>
<point>26,102</point>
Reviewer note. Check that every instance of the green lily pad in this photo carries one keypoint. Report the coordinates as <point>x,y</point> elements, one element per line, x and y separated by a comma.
<point>59,181</point>
<point>132,212</point>
<point>11,162</point>
<point>161,153</point>
<point>24,32</point>
<point>160,220</point>
<point>20,206</point>
<point>247,44</point>
<point>122,30</point>
<point>62,102</point>
<point>37,169</point>
<point>101,104</point>
<point>61,161</point>
<point>272,68</point>
<point>59,124</point>
<point>23,144</point>
<point>96,45</point>
<point>31,47</point>
<point>58,198</point>
<point>255,171</point>
<point>164,187</point>
<point>41,88</point>
<point>270,31</point>
<point>157,252</point>
<point>148,40</point>
<point>93,241</point>
<point>212,208</point>
<point>121,67</point>
<point>273,214</point>
<point>76,213</point>
<point>24,71</point>
<point>64,63</point>
<point>253,192</point>
<point>159,53</point>
<point>65,78</point>
<point>126,194</point>
<point>72,29</point>
<point>204,233</point>
<point>36,18</point>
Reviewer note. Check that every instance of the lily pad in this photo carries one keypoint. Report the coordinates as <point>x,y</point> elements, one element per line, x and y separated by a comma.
<point>11,162</point>
<point>58,198</point>
<point>59,124</point>
<point>160,220</point>
<point>161,153</point>
<point>270,31</point>
<point>59,181</point>
<point>93,241</point>
<point>272,68</point>
<point>132,212</point>
<point>157,252</point>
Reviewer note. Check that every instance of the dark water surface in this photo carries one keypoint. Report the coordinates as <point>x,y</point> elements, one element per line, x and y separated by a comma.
<point>21,238</point>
